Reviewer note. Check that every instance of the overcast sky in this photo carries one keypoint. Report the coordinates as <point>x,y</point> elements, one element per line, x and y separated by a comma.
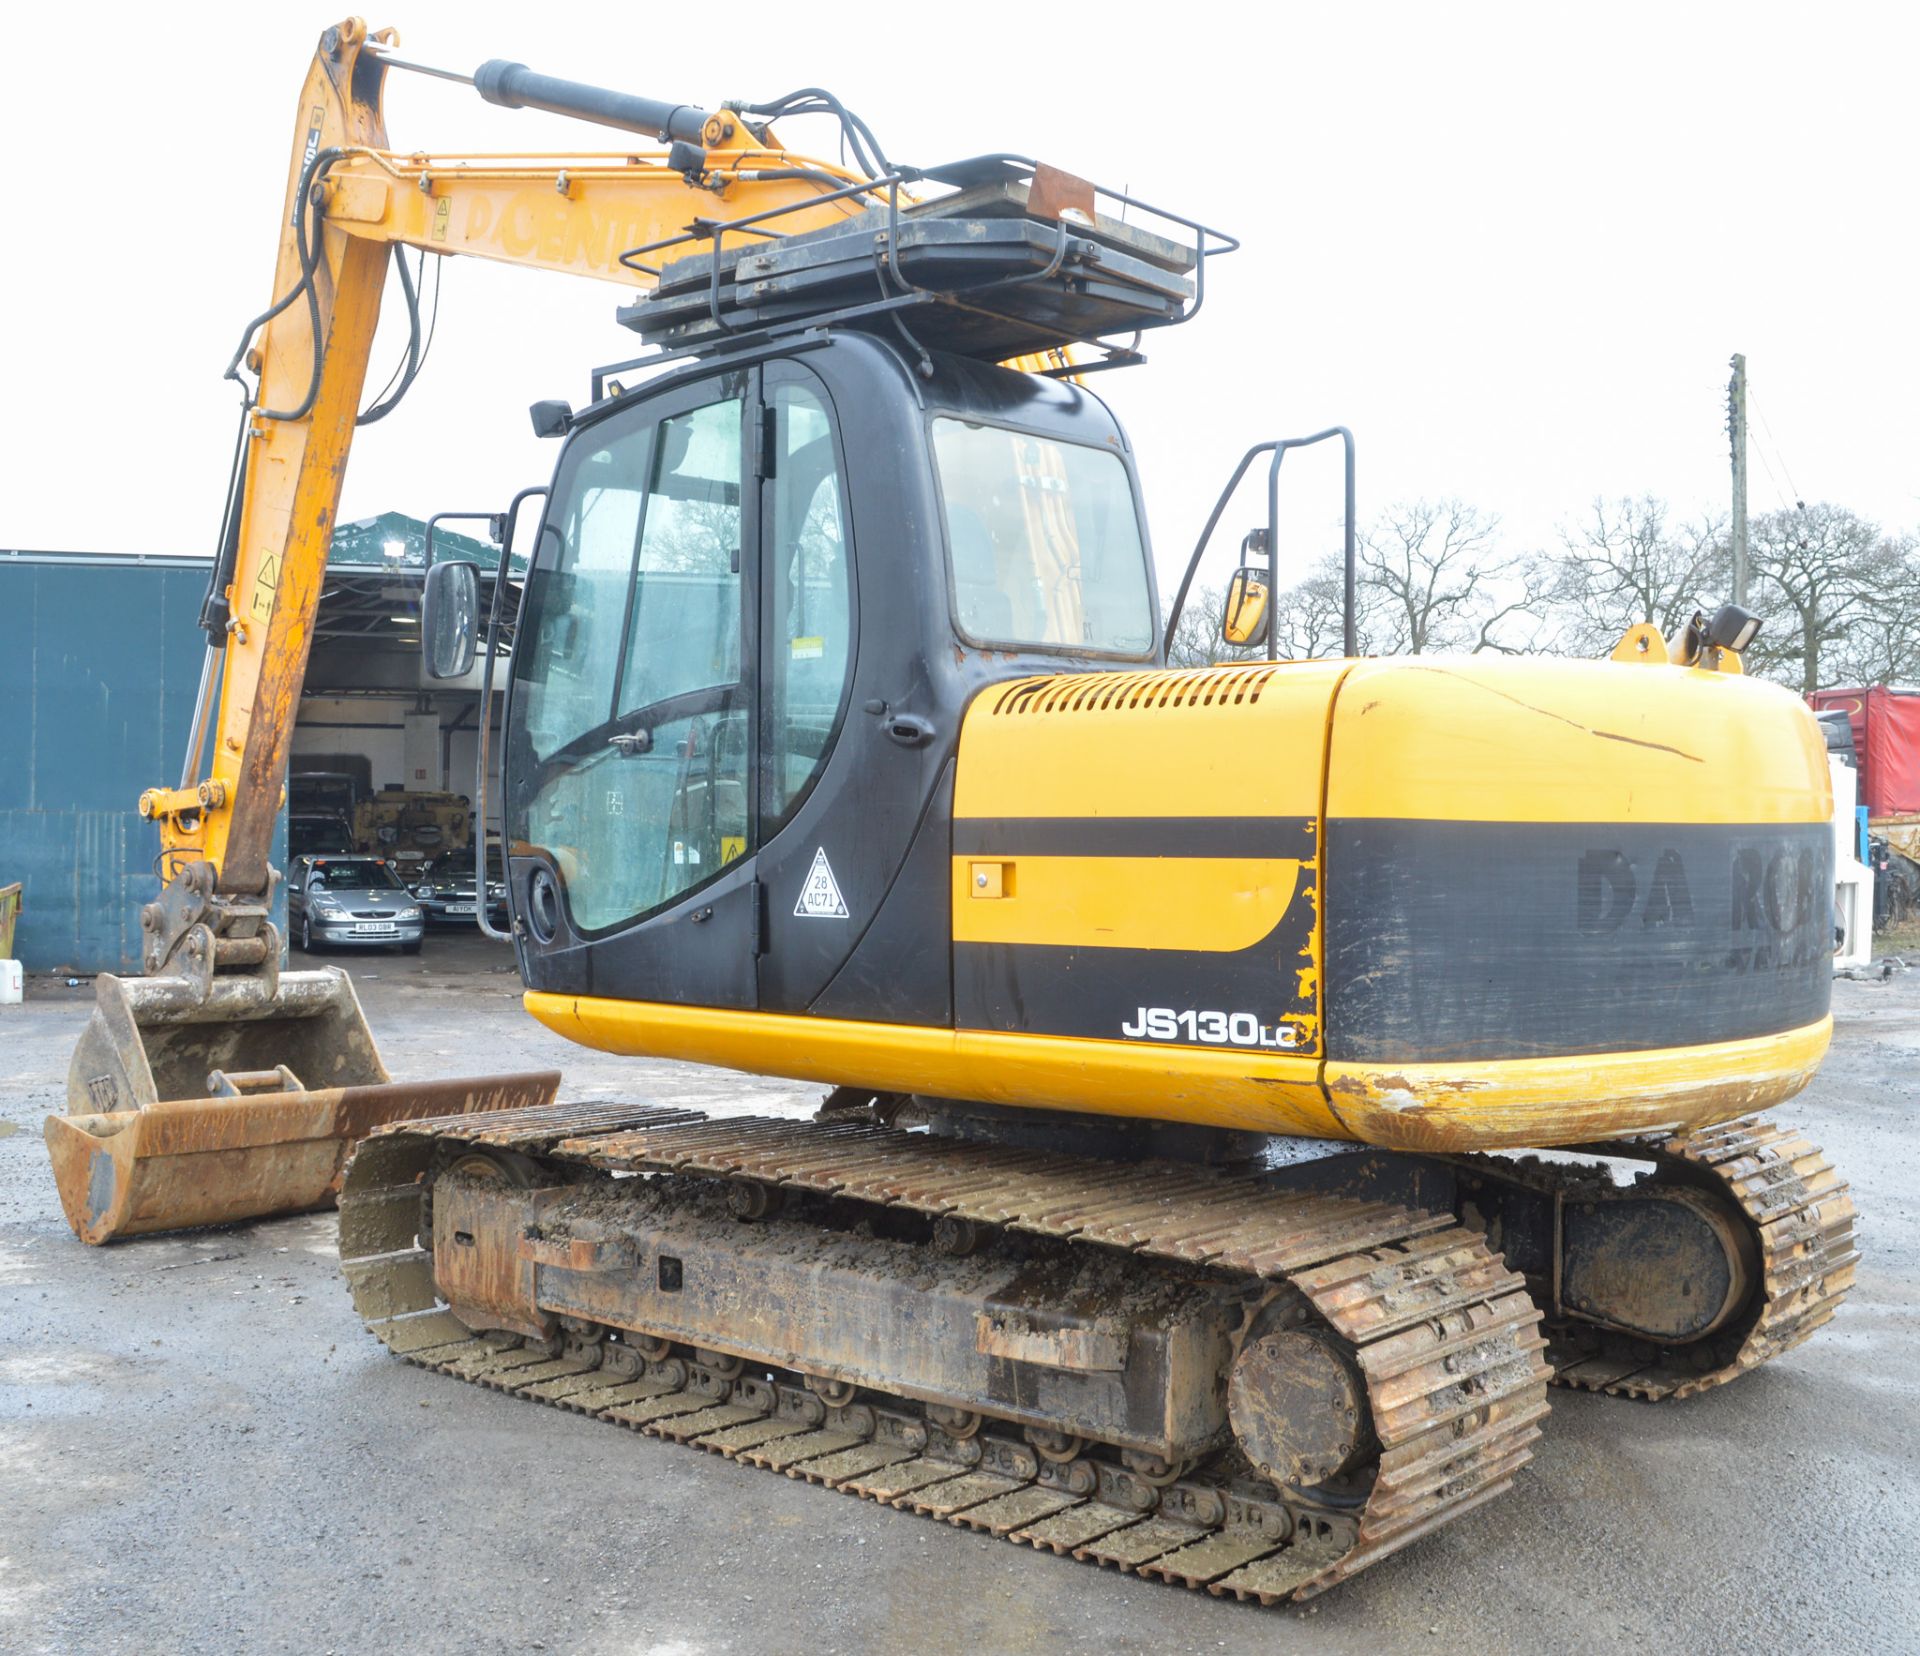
<point>1511,247</point>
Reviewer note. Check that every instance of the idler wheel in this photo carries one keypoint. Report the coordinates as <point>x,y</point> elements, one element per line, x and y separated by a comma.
<point>957,1236</point>
<point>956,1423</point>
<point>1155,1471</point>
<point>1298,1407</point>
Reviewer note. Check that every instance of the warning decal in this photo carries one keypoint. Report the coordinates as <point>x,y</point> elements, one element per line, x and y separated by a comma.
<point>265,583</point>
<point>820,896</point>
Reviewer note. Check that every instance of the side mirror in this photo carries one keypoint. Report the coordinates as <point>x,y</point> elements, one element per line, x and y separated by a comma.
<point>551,418</point>
<point>450,619</point>
<point>1246,618</point>
<point>1733,628</point>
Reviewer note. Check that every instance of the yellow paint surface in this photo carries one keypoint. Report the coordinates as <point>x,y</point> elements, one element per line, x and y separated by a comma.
<point>1210,904</point>
<point>1239,741</point>
<point>1539,739</point>
<point>1227,1088</point>
<point>1572,1100</point>
<point>1456,1107</point>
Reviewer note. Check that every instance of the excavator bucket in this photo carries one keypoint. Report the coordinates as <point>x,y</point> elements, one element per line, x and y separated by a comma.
<point>243,1103</point>
<point>157,1038</point>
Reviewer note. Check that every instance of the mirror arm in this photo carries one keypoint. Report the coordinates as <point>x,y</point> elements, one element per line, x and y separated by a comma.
<point>485,724</point>
<point>1206,535</point>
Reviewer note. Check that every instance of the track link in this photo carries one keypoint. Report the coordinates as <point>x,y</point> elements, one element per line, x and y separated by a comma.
<point>1800,1213</point>
<point>1447,1339</point>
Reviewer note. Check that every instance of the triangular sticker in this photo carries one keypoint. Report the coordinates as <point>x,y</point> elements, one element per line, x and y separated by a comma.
<point>820,897</point>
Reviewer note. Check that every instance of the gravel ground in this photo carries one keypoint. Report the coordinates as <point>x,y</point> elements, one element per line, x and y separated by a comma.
<point>201,1450</point>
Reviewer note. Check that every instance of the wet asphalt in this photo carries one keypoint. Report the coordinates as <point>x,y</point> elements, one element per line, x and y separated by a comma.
<point>201,1450</point>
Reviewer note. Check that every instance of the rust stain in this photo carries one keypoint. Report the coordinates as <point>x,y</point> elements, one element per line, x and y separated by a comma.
<point>210,1161</point>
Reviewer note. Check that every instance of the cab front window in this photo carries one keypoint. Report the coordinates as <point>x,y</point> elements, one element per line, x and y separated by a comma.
<point>1043,541</point>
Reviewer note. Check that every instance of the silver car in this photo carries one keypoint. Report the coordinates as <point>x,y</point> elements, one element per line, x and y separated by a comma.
<point>352,902</point>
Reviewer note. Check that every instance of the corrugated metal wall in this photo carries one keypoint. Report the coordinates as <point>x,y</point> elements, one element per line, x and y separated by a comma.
<point>99,661</point>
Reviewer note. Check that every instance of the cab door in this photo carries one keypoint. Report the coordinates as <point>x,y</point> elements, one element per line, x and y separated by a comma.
<point>826,850</point>
<point>632,739</point>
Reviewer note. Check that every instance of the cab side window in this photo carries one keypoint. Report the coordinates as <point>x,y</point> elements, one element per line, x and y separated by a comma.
<point>637,714</point>
<point>809,608</point>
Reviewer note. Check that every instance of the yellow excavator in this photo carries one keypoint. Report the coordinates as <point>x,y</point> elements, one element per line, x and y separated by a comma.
<point>1180,1025</point>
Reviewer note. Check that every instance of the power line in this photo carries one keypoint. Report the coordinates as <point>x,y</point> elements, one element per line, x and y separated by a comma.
<point>1778,453</point>
<point>1786,505</point>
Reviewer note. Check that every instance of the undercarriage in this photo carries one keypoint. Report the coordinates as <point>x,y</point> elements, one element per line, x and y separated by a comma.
<point>1257,1373</point>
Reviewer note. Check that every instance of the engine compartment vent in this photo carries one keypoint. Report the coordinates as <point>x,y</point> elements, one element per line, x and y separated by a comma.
<point>1142,692</point>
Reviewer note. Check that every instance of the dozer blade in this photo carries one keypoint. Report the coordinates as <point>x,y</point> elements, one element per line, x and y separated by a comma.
<point>212,1161</point>
<point>202,1103</point>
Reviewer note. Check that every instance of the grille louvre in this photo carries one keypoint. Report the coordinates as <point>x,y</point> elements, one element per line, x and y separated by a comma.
<point>1143,692</point>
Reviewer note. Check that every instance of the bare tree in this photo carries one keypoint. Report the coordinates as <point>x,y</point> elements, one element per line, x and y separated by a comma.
<point>1308,618</point>
<point>1196,642</point>
<point>1435,579</point>
<point>688,534</point>
<point>1427,578</point>
<point>1307,621</point>
<point>1625,564</point>
<point>1840,599</point>
<point>1882,646</point>
<point>1822,576</point>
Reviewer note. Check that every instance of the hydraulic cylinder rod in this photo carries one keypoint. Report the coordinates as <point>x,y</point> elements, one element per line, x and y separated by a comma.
<point>515,86</point>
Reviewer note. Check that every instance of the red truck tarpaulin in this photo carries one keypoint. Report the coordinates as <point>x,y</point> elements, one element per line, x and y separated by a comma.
<point>1886,736</point>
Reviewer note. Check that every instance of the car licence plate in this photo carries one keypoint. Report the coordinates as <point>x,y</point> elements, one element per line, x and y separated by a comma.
<point>459,908</point>
<point>375,928</point>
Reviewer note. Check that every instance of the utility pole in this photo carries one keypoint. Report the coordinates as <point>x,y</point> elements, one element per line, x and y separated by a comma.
<point>1737,435</point>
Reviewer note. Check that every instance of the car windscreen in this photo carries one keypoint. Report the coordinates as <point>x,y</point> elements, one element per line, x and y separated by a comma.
<point>354,876</point>
<point>458,865</point>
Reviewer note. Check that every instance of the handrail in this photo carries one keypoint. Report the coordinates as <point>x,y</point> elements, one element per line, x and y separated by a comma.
<point>1278,448</point>
<point>485,723</point>
<point>503,530</point>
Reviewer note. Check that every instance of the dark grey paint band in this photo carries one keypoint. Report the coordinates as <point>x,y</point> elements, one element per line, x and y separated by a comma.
<point>1209,836</point>
<point>1479,941</point>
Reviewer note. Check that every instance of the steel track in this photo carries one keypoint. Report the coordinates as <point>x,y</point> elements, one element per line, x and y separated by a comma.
<point>1800,1214</point>
<point>1446,1338</point>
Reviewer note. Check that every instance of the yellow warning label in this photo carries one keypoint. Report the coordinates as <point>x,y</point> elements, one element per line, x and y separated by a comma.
<point>265,584</point>
<point>809,649</point>
<point>442,215</point>
<point>732,846</point>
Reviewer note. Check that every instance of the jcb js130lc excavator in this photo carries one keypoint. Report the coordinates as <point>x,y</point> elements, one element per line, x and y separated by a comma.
<point>1171,1016</point>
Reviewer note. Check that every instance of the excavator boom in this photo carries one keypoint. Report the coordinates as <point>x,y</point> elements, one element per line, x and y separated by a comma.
<point>213,1029</point>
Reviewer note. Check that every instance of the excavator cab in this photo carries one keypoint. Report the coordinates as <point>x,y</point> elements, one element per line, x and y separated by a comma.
<point>762,597</point>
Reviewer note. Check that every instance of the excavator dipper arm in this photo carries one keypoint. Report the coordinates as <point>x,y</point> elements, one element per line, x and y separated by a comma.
<point>264,1080</point>
<point>348,201</point>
